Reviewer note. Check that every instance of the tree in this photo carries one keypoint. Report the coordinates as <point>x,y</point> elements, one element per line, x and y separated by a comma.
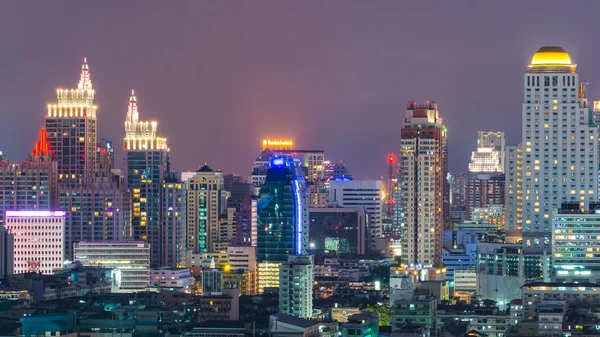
<point>384,311</point>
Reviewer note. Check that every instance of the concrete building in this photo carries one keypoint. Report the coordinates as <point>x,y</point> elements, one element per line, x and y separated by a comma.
<point>494,140</point>
<point>461,257</point>
<point>422,185</point>
<point>312,162</point>
<point>574,243</point>
<point>172,278</point>
<point>60,324</point>
<point>146,167</point>
<point>295,286</point>
<point>212,282</point>
<point>6,252</point>
<point>553,295</point>
<point>281,325</point>
<point>72,131</point>
<point>339,230</point>
<point>206,202</point>
<point>559,146</point>
<point>361,193</point>
<point>246,233</point>
<point>130,262</point>
<point>39,238</point>
<point>105,158</point>
<point>242,259</point>
<point>485,159</point>
<point>365,324</point>
<point>174,225</point>
<point>484,191</point>
<point>465,280</point>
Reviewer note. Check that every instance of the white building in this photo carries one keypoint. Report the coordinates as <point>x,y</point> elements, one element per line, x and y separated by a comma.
<point>242,258</point>
<point>168,277</point>
<point>357,193</point>
<point>559,145</point>
<point>423,193</point>
<point>465,280</point>
<point>38,240</point>
<point>485,159</point>
<point>130,261</point>
<point>206,201</point>
<point>295,286</point>
<point>494,140</point>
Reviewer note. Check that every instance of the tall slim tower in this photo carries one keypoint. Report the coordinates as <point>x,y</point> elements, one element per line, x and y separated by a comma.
<point>559,147</point>
<point>422,185</point>
<point>147,165</point>
<point>71,127</point>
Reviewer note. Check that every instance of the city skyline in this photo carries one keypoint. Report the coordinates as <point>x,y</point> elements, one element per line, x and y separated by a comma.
<point>315,87</point>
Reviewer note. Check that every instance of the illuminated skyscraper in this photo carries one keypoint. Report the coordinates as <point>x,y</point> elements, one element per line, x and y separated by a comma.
<point>72,129</point>
<point>105,158</point>
<point>557,160</point>
<point>174,222</point>
<point>423,185</point>
<point>282,219</point>
<point>146,166</point>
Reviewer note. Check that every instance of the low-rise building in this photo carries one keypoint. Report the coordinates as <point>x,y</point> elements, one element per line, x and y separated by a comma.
<point>172,278</point>
<point>555,295</point>
<point>365,324</point>
<point>283,325</point>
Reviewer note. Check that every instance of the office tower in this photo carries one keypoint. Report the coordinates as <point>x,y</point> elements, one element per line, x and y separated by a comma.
<point>312,162</point>
<point>242,260</point>
<point>247,222</point>
<point>206,201</point>
<point>226,231</point>
<point>338,230</point>
<point>559,146</point>
<point>237,189</point>
<point>105,158</point>
<point>173,229</point>
<point>282,219</point>
<point>423,184</point>
<point>72,130</point>
<point>6,252</point>
<point>38,240</point>
<point>295,286</point>
<point>30,185</point>
<point>146,166</point>
<point>99,210</point>
<point>574,238</point>
<point>365,193</point>
<point>260,168</point>
<point>318,195</point>
<point>494,140</point>
<point>483,191</point>
<point>129,262</point>
<point>212,282</point>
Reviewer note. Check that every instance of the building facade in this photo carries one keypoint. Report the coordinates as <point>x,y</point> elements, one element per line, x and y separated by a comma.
<point>483,191</point>
<point>421,204</point>
<point>338,230</point>
<point>39,238</point>
<point>6,252</point>
<point>72,130</point>
<point>295,286</point>
<point>173,229</point>
<point>146,167</point>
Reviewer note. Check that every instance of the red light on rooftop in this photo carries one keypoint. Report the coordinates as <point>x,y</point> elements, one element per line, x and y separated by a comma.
<point>391,159</point>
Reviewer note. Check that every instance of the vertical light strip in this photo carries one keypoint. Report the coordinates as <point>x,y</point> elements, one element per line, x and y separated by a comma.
<point>299,222</point>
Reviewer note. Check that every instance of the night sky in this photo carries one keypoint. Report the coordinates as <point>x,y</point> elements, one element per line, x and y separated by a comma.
<point>219,76</point>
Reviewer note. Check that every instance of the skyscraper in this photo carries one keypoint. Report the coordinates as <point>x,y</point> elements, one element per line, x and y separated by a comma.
<point>72,129</point>
<point>295,286</point>
<point>173,228</point>
<point>422,183</point>
<point>146,166</point>
<point>559,146</point>
<point>105,158</point>
<point>206,202</point>
<point>6,252</point>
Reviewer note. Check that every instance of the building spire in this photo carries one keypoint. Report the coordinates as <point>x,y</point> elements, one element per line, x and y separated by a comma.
<point>42,147</point>
<point>132,111</point>
<point>85,81</point>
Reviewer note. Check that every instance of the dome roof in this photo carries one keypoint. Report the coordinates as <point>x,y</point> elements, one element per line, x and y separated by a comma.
<point>551,55</point>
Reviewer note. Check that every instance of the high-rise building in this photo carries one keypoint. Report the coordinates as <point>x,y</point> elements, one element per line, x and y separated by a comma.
<point>97,211</point>
<point>423,184</point>
<point>494,140</point>
<point>295,286</point>
<point>282,219</point>
<point>483,191</point>
<point>514,193</point>
<point>260,168</point>
<point>361,193</point>
<point>105,158</point>
<point>559,145</point>
<point>32,185</point>
<point>206,202</point>
<point>146,166</point>
<point>574,237</point>
<point>312,162</point>
<point>237,189</point>
<point>38,240</point>
<point>242,260</point>
<point>72,130</point>
<point>129,261</point>
<point>485,160</point>
<point>212,282</point>
<point>6,252</point>
<point>318,195</point>
<point>246,222</point>
<point>173,229</point>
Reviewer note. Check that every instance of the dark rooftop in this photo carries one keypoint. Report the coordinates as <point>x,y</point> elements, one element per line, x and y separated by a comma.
<point>301,322</point>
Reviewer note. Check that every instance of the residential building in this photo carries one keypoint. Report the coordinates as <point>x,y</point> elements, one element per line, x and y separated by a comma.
<point>39,238</point>
<point>172,278</point>
<point>312,162</point>
<point>72,131</point>
<point>128,260</point>
<point>556,295</point>
<point>414,310</point>
<point>458,257</point>
<point>484,191</point>
<point>295,286</point>
<point>260,168</point>
<point>146,167</point>
<point>514,193</point>
<point>423,184</point>
<point>6,252</point>
<point>365,324</point>
<point>484,317</point>
<point>465,280</point>
<point>281,325</point>
<point>574,243</point>
<point>242,260</point>
<point>212,282</point>
<point>339,230</point>
<point>361,193</point>
<point>173,229</point>
<point>318,195</point>
<point>485,159</point>
<point>494,140</point>
<point>206,202</point>
<point>559,146</point>
<point>246,233</point>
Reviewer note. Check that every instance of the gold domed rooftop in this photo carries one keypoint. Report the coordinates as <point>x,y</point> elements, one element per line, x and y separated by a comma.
<point>551,59</point>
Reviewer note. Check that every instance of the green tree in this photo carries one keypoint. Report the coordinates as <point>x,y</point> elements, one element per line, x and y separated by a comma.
<point>384,311</point>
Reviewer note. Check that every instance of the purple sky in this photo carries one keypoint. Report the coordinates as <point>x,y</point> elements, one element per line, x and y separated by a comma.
<point>335,75</point>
